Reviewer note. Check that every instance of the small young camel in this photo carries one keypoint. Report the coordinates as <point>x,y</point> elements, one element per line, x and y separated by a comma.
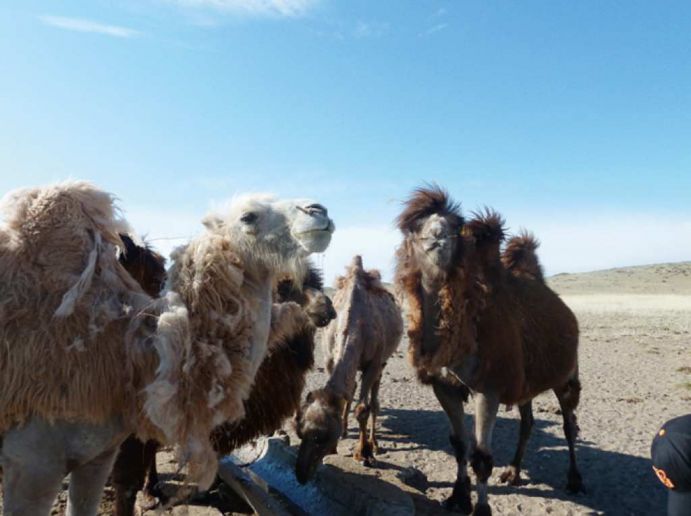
<point>479,323</point>
<point>366,332</point>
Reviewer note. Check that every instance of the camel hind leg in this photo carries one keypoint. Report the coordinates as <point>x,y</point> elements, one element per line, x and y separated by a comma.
<point>375,412</point>
<point>363,410</point>
<point>569,396</point>
<point>86,484</point>
<point>512,474</point>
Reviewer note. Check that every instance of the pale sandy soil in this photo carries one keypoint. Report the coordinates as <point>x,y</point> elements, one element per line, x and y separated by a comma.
<point>635,361</point>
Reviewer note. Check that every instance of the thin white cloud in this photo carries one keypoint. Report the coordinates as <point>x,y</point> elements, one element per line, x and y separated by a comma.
<point>287,8</point>
<point>434,29</point>
<point>370,29</point>
<point>83,25</point>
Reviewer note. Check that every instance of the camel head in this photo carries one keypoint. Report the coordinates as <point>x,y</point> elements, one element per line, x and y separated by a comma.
<point>319,426</point>
<point>310,296</point>
<point>277,234</point>
<point>319,307</point>
<point>431,224</point>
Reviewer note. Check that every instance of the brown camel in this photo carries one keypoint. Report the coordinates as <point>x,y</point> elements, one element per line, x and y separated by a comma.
<point>473,323</point>
<point>363,337</point>
<point>275,394</point>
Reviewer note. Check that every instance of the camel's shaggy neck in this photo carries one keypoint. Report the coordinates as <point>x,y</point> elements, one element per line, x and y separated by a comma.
<point>430,312</point>
<point>348,348</point>
<point>258,287</point>
<point>441,306</point>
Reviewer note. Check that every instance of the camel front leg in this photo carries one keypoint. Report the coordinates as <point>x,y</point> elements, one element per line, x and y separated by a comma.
<point>346,412</point>
<point>87,482</point>
<point>451,399</point>
<point>33,463</point>
<point>134,459</point>
<point>30,485</point>
<point>568,396</point>
<point>362,413</point>
<point>486,406</point>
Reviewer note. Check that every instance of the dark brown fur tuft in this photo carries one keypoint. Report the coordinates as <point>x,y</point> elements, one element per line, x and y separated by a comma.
<point>487,232</point>
<point>145,265</point>
<point>486,227</point>
<point>520,257</point>
<point>425,201</point>
<point>280,379</point>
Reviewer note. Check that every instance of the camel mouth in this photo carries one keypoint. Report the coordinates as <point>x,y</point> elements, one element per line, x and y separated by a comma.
<point>308,460</point>
<point>315,240</point>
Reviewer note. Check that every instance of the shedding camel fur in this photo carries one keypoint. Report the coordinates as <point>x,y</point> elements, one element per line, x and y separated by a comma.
<point>69,312</point>
<point>229,293</point>
<point>88,357</point>
<point>274,397</point>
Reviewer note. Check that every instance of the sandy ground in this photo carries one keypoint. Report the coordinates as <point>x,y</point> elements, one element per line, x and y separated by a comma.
<point>635,361</point>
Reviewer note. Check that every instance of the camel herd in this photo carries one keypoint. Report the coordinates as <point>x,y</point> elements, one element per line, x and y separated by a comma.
<point>106,355</point>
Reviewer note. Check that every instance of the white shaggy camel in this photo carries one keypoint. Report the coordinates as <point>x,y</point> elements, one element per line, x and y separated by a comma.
<point>367,330</point>
<point>88,358</point>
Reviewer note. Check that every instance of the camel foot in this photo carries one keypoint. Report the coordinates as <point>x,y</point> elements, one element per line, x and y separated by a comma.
<point>369,462</point>
<point>461,506</point>
<point>482,509</point>
<point>575,483</point>
<point>459,501</point>
<point>149,502</point>
<point>511,475</point>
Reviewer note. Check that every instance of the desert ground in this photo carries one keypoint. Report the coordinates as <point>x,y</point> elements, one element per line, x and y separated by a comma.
<point>635,363</point>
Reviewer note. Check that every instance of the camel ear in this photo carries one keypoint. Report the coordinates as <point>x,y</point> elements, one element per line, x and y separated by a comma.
<point>213,222</point>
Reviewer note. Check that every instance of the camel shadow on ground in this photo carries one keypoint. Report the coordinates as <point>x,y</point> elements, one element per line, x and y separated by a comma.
<point>616,483</point>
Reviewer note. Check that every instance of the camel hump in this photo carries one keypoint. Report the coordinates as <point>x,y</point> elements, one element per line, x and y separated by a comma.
<point>520,256</point>
<point>486,227</point>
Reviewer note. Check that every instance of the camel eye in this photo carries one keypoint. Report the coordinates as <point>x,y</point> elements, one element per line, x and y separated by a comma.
<point>249,217</point>
<point>316,208</point>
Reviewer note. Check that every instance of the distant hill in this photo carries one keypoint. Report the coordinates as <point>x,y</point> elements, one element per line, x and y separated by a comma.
<point>663,278</point>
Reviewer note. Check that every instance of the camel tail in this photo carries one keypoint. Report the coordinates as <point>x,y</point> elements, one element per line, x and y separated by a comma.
<point>520,256</point>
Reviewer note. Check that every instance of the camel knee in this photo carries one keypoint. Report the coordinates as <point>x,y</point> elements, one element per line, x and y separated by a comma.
<point>482,464</point>
<point>362,413</point>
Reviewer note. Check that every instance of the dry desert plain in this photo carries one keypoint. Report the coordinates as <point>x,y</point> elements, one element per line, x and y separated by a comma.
<point>635,362</point>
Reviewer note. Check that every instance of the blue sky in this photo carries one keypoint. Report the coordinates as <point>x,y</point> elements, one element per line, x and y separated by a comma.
<point>571,118</point>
